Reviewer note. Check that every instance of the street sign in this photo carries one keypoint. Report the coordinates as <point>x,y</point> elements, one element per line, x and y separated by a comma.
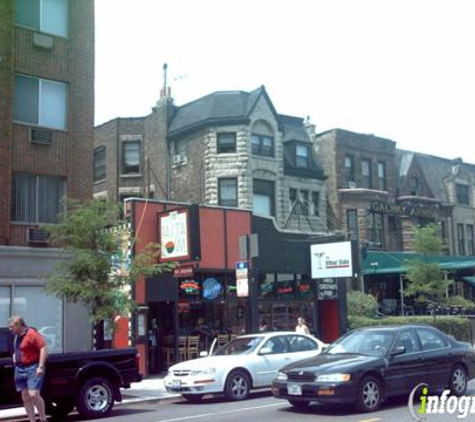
<point>327,289</point>
<point>242,279</point>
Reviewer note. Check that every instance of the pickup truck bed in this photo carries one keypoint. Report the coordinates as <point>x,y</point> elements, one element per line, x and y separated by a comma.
<point>89,381</point>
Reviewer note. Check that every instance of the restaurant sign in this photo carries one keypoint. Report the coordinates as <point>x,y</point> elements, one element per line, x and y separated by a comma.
<point>174,243</point>
<point>402,210</point>
<point>327,289</point>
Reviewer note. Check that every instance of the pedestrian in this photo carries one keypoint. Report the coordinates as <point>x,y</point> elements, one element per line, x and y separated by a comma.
<point>263,327</point>
<point>302,326</point>
<point>29,358</point>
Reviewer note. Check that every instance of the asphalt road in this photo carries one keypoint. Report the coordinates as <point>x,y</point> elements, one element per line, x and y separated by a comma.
<point>261,407</point>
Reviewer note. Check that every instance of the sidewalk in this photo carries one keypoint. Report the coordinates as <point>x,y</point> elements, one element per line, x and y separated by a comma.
<point>151,388</point>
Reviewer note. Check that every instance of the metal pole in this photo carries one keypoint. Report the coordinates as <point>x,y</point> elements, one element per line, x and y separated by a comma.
<point>401,292</point>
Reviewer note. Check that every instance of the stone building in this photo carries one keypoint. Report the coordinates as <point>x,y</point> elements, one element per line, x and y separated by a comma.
<point>46,133</point>
<point>228,148</point>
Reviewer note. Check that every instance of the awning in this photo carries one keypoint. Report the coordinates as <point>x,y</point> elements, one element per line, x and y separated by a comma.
<point>469,280</point>
<point>396,262</point>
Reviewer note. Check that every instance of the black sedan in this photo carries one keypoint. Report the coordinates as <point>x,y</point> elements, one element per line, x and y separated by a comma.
<point>368,365</point>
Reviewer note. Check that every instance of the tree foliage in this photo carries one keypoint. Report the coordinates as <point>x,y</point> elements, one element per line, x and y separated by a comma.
<point>426,281</point>
<point>361,304</point>
<point>101,271</point>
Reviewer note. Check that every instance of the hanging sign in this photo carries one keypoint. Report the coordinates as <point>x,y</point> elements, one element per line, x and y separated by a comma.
<point>331,260</point>
<point>327,289</point>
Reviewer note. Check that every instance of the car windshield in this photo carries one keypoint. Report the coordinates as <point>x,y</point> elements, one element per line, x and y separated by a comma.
<point>239,346</point>
<point>370,343</point>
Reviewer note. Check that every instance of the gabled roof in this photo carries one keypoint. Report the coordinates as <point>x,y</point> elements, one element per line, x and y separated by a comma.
<point>218,107</point>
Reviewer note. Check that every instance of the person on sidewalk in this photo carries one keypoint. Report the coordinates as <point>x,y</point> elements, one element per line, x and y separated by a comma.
<point>301,327</point>
<point>29,358</point>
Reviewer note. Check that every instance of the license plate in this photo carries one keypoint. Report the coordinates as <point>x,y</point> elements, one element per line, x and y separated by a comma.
<point>294,390</point>
<point>176,384</point>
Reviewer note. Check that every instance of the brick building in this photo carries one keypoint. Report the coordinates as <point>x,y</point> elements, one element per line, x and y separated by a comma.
<point>377,193</point>
<point>228,148</point>
<point>46,132</point>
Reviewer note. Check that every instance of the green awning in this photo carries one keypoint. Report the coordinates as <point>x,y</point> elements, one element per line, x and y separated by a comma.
<point>469,280</point>
<point>396,262</point>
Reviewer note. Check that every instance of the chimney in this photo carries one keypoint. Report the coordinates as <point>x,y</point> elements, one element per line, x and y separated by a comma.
<point>310,128</point>
<point>165,91</point>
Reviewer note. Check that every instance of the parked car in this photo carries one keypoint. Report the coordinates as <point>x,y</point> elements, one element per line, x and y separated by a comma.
<point>247,362</point>
<point>89,381</point>
<point>368,365</point>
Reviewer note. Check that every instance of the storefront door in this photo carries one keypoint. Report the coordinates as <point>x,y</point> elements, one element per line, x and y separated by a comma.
<point>160,334</point>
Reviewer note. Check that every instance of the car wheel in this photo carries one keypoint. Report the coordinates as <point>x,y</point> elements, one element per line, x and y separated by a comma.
<point>299,405</point>
<point>193,398</point>
<point>238,386</point>
<point>59,409</point>
<point>370,395</point>
<point>458,381</point>
<point>95,398</point>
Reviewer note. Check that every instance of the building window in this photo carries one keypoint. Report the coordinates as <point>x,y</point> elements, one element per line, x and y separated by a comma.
<point>262,145</point>
<point>226,143</point>
<point>415,186</point>
<point>37,199</point>
<point>264,197</point>
<point>49,16</point>
<point>131,157</point>
<point>392,224</point>
<point>304,202</point>
<point>227,192</point>
<point>382,185</point>
<point>349,170</point>
<point>302,156</point>
<point>470,240</point>
<point>366,178</point>
<point>39,102</point>
<point>316,203</point>
<point>292,197</point>
<point>352,221</point>
<point>461,238</point>
<point>375,228</point>
<point>462,194</point>
<point>100,163</point>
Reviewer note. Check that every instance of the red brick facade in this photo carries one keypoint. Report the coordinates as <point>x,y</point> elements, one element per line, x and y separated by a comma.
<point>70,60</point>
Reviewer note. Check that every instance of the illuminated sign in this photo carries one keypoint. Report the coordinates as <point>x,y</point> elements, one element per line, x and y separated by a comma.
<point>174,243</point>
<point>211,288</point>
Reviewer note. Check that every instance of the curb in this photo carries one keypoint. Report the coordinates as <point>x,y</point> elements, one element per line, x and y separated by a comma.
<point>124,402</point>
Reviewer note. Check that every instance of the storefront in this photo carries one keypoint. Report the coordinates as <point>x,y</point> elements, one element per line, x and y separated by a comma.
<point>200,301</point>
<point>23,270</point>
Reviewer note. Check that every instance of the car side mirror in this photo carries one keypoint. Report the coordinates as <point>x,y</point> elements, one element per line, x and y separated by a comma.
<point>204,354</point>
<point>265,351</point>
<point>399,350</point>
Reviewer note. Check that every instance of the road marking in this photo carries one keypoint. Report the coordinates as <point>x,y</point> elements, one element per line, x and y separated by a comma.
<point>371,420</point>
<point>207,415</point>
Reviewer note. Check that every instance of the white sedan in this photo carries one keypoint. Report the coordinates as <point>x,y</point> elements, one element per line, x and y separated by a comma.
<point>247,362</point>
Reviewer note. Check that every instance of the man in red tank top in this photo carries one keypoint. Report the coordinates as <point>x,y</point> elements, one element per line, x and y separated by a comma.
<point>29,358</point>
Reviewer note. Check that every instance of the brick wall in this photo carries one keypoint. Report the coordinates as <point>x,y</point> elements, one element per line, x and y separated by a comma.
<point>71,60</point>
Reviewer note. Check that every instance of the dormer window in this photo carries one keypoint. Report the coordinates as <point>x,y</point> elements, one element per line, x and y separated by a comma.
<point>262,145</point>
<point>302,156</point>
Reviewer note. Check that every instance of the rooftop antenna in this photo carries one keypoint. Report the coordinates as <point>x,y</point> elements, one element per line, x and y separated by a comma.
<point>165,67</point>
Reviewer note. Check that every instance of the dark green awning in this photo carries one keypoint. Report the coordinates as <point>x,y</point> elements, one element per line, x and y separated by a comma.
<point>396,262</point>
<point>469,280</point>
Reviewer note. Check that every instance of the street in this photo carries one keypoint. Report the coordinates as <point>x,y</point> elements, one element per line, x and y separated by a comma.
<point>260,407</point>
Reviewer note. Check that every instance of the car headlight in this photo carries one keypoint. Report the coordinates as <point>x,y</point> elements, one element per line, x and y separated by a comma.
<point>281,376</point>
<point>333,378</point>
<point>206,371</point>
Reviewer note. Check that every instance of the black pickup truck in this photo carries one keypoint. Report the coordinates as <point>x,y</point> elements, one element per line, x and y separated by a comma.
<point>89,381</point>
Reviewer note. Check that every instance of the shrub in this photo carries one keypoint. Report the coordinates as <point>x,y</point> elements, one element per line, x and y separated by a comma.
<point>456,326</point>
<point>459,301</point>
<point>361,304</point>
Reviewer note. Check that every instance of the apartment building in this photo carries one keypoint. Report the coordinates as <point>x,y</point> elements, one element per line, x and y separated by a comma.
<point>46,133</point>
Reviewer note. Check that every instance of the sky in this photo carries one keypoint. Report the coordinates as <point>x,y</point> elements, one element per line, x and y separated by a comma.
<point>399,69</point>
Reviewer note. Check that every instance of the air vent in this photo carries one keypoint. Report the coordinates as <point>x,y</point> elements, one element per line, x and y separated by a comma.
<point>37,237</point>
<point>41,136</point>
